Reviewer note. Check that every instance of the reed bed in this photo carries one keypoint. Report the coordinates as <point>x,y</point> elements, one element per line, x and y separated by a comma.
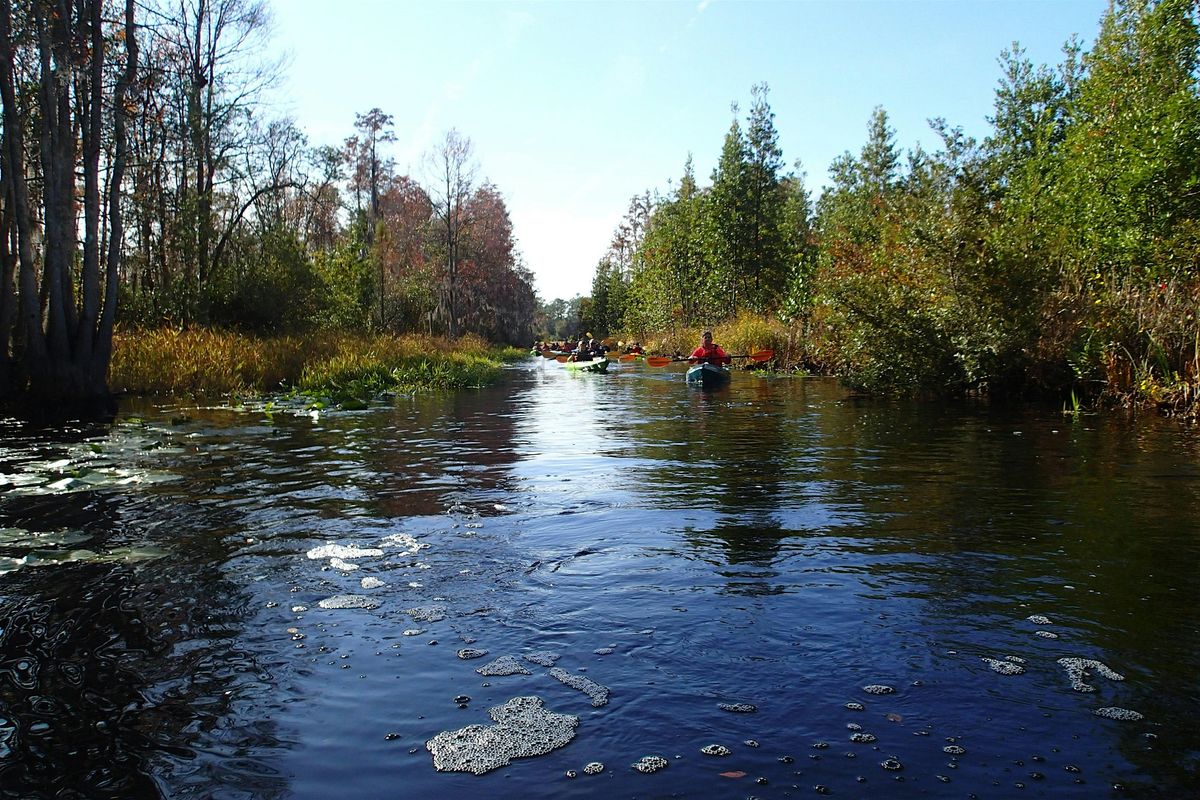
<point>338,366</point>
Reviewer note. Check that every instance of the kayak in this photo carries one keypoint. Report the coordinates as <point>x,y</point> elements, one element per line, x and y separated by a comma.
<point>595,365</point>
<point>708,374</point>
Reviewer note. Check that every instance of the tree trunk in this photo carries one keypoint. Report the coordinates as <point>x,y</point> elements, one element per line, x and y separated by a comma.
<point>66,341</point>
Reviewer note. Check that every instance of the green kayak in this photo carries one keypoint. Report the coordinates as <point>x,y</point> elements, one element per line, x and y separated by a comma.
<point>595,365</point>
<point>708,374</point>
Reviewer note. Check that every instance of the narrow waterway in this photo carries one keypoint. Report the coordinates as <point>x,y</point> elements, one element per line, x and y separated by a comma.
<point>855,597</point>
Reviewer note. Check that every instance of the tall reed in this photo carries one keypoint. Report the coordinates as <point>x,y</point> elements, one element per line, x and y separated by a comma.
<point>208,363</point>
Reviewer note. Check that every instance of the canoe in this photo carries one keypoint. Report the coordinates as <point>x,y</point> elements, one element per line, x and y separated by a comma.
<point>595,365</point>
<point>708,374</point>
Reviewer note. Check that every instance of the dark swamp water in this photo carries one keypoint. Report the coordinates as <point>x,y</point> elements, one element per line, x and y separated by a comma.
<point>165,628</point>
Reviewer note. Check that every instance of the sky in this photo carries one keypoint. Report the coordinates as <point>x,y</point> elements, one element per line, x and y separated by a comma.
<point>573,107</point>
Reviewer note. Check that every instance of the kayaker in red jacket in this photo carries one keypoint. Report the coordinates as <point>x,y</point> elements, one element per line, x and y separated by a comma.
<point>709,352</point>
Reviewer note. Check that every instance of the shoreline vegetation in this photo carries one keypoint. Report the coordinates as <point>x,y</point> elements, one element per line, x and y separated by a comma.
<point>1055,256</point>
<point>1124,384</point>
<point>347,370</point>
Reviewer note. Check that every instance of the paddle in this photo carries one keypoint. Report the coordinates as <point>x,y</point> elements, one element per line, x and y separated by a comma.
<point>630,357</point>
<point>662,361</point>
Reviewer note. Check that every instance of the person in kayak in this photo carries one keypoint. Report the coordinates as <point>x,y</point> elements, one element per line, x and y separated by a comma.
<point>708,352</point>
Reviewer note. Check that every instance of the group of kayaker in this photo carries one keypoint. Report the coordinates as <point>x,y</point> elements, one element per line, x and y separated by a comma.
<point>588,348</point>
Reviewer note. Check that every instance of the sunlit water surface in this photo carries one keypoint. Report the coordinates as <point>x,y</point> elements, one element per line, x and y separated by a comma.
<point>207,602</point>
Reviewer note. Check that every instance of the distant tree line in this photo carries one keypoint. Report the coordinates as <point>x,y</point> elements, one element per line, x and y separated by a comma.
<point>141,185</point>
<point>1061,251</point>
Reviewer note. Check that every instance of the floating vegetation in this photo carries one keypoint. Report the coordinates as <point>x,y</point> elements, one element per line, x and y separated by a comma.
<point>1038,619</point>
<point>853,726</point>
<point>1046,634</point>
<point>471,652</point>
<point>593,768</point>
<point>1077,670</point>
<point>862,738</point>
<point>604,651</point>
<point>1007,667</point>
<point>598,693</point>
<point>751,743</point>
<point>1113,712</point>
<point>49,558</point>
<point>649,764</point>
<point>954,749</point>
<point>344,566</point>
<point>19,537</point>
<point>855,706</point>
<point>878,688</point>
<point>371,583</point>
<point>504,665</point>
<point>348,601</point>
<point>523,729</point>
<point>738,708</point>
<point>715,750</point>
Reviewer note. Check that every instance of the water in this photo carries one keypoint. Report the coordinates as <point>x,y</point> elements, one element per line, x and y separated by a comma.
<point>772,546</point>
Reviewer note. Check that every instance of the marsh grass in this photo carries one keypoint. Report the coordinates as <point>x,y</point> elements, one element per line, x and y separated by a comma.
<point>744,335</point>
<point>338,368</point>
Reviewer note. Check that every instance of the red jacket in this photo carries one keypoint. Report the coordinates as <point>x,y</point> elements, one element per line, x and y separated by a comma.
<point>713,355</point>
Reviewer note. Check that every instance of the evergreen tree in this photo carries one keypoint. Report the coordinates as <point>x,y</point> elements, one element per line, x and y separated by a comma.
<point>767,261</point>
<point>729,232</point>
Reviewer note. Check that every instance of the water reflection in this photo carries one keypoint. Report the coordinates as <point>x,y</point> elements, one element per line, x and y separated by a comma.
<point>771,542</point>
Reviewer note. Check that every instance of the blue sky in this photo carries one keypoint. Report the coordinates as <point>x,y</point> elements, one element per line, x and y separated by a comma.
<point>574,107</point>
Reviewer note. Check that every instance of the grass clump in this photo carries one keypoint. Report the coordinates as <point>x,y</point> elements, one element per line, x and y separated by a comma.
<point>334,368</point>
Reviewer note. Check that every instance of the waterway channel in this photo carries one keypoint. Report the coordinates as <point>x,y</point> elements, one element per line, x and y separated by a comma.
<point>847,596</point>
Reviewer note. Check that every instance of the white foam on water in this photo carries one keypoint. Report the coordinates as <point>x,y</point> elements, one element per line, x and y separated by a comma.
<point>543,658</point>
<point>598,693</point>
<point>1112,712</point>
<point>1077,669</point>
<point>523,729</point>
<point>1007,667</point>
<point>343,551</point>
<point>504,665</point>
<point>348,601</point>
